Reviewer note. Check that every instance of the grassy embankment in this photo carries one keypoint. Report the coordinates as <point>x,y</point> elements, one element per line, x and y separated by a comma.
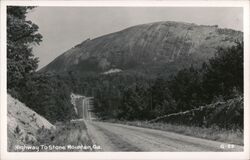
<point>66,137</point>
<point>220,121</point>
<point>65,134</point>
<point>211,133</point>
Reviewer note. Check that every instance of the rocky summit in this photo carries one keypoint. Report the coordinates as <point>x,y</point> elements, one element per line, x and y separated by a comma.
<point>145,46</point>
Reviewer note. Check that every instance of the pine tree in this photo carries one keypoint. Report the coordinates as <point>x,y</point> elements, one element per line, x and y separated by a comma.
<point>224,75</point>
<point>21,35</point>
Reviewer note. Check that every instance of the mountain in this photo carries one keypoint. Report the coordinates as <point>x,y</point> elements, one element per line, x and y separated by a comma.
<point>154,46</point>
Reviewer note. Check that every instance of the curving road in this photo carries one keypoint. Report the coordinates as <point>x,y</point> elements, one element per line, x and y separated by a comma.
<point>118,137</point>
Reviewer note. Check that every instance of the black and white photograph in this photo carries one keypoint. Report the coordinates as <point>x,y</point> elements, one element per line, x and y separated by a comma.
<point>124,79</point>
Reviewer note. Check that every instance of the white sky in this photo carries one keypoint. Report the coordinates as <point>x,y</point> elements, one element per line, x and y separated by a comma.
<point>64,27</point>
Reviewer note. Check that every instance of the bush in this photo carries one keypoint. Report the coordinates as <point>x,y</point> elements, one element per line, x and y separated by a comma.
<point>48,95</point>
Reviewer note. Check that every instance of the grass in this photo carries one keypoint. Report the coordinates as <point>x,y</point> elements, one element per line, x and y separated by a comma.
<point>66,137</point>
<point>71,133</point>
<point>233,136</point>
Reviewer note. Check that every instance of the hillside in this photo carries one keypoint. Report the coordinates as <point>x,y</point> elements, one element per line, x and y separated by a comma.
<point>153,47</point>
<point>23,123</point>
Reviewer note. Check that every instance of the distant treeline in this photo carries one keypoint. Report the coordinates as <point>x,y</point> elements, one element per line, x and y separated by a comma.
<point>136,96</point>
<point>46,94</point>
<point>128,95</point>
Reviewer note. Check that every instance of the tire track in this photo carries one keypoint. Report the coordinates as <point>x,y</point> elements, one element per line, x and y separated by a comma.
<point>118,141</point>
<point>166,140</point>
<point>130,138</point>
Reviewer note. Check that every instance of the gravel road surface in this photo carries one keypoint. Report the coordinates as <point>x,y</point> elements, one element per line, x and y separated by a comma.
<point>118,137</point>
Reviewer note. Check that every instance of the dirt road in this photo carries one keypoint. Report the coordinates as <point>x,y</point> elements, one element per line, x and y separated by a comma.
<point>118,137</point>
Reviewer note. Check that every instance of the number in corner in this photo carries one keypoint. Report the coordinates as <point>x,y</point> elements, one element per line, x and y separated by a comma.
<point>227,146</point>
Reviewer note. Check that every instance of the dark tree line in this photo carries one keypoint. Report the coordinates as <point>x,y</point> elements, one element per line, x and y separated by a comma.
<point>224,74</point>
<point>21,35</point>
<point>128,95</point>
<point>46,94</point>
<point>137,96</point>
<point>220,79</point>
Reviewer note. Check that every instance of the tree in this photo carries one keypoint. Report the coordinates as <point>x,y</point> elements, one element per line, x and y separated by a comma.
<point>136,102</point>
<point>162,100</point>
<point>224,75</point>
<point>21,35</point>
<point>48,95</point>
<point>186,89</point>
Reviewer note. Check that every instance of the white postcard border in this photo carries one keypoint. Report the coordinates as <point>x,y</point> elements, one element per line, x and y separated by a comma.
<point>125,155</point>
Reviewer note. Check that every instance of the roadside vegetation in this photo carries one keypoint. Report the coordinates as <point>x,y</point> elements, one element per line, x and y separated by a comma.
<point>214,132</point>
<point>69,135</point>
<point>128,96</point>
<point>64,137</point>
<point>213,121</point>
<point>132,97</point>
<point>46,94</point>
<point>213,92</point>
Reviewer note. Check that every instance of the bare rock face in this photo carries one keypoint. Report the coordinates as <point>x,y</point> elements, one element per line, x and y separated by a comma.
<point>23,123</point>
<point>147,44</point>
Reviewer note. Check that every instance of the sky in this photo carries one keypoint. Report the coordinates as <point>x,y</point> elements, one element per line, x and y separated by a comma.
<point>64,27</point>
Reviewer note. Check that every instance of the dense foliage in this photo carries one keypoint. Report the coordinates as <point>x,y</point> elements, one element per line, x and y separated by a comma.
<point>47,94</point>
<point>21,35</point>
<point>127,95</point>
<point>228,114</point>
<point>224,75</point>
<point>134,96</point>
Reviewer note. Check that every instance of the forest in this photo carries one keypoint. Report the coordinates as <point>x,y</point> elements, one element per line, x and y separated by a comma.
<point>135,96</point>
<point>127,95</point>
